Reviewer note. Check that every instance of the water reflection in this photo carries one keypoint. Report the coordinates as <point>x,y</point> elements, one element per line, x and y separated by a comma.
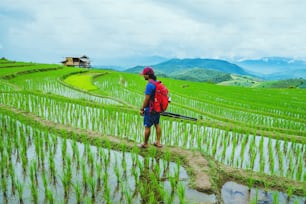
<point>233,193</point>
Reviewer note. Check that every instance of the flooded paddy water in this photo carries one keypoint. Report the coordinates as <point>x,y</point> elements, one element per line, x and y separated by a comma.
<point>38,167</point>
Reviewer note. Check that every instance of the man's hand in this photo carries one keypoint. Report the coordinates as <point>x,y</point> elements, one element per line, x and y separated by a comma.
<point>141,112</point>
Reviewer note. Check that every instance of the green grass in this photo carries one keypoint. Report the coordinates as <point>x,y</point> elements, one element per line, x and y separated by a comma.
<point>82,81</point>
<point>106,102</point>
<point>288,83</point>
<point>243,81</point>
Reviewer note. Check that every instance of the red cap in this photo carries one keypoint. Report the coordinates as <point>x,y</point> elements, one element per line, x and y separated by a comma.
<point>147,71</point>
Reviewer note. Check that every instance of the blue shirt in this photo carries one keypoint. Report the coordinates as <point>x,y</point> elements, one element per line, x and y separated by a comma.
<point>150,90</point>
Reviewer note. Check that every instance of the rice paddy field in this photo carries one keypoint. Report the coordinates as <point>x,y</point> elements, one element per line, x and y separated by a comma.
<point>70,135</point>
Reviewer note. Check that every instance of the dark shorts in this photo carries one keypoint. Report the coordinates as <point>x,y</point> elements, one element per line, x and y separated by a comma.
<point>150,118</point>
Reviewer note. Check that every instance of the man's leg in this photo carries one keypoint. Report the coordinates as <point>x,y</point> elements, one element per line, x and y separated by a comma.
<point>158,134</point>
<point>147,133</point>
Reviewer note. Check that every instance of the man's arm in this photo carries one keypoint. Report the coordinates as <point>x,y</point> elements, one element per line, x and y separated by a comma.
<point>145,103</point>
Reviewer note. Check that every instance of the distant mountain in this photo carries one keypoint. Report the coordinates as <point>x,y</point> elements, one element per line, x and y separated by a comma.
<point>202,75</point>
<point>175,65</point>
<point>273,68</point>
<point>195,69</point>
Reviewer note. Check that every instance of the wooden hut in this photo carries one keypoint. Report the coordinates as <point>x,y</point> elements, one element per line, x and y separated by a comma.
<point>77,62</point>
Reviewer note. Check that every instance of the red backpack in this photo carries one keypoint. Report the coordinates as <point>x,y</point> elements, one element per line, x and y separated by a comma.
<point>161,99</point>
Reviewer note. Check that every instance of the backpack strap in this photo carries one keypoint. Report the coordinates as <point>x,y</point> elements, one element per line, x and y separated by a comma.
<point>151,103</point>
<point>154,82</point>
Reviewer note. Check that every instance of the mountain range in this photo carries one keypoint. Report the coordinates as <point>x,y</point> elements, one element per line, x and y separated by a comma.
<point>205,70</point>
<point>215,70</point>
<point>275,68</point>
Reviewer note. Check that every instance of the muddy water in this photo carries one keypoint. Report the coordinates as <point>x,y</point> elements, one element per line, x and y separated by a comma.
<point>233,193</point>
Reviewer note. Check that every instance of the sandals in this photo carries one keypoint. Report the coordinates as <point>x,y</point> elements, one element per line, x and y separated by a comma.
<point>158,146</point>
<point>143,146</point>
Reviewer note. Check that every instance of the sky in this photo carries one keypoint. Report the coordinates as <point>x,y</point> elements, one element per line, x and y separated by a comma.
<point>120,32</point>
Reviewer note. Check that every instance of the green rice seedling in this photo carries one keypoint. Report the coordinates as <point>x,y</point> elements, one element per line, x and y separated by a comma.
<point>128,195</point>
<point>290,170</point>
<point>84,174</point>
<point>78,191</point>
<point>34,191</point>
<point>262,162</point>
<point>173,183</point>
<point>153,180</point>
<point>50,196</point>
<point>169,197</point>
<point>66,181</point>
<point>77,159</point>
<point>101,154</point>
<point>105,178</point>
<point>134,159</point>
<point>124,166</point>
<point>256,196</point>
<point>37,149</point>
<point>250,183</point>
<point>181,192</point>
<point>296,201</point>
<point>90,161</point>
<point>55,143</point>
<point>42,159</point>
<point>289,192</point>
<point>33,172</point>
<point>157,170</point>
<point>266,188</point>
<point>98,175</point>
<point>74,148</point>
<point>107,195</point>
<point>152,199</point>
<point>45,182</point>
<point>152,152</point>
<point>52,168</point>
<point>253,157</point>
<point>92,184</point>
<point>117,171</point>
<point>271,156</point>
<point>24,160</point>
<point>232,157</point>
<point>275,197</point>
<point>135,174</point>
<point>64,150</point>
<point>4,187</point>
<point>178,168</point>
<point>106,161</point>
<point>300,167</point>
<point>281,161</point>
<point>12,176</point>
<point>20,188</point>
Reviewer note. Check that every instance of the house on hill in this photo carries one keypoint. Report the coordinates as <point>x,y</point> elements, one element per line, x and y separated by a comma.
<point>77,62</point>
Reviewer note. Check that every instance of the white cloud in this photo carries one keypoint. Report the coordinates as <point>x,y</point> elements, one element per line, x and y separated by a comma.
<point>47,30</point>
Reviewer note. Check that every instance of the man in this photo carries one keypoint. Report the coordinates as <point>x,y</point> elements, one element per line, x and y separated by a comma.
<point>150,117</point>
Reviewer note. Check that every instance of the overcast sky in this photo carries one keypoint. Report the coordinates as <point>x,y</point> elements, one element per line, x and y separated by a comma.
<point>111,30</point>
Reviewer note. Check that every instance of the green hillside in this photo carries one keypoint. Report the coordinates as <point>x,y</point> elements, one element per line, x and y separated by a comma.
<point>287,83</point>
<point>78,129</point>
<point>203,70</point>
<point>201,75</point>
<point>243,81</point>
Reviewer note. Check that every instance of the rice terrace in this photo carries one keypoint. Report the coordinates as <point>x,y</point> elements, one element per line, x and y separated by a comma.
<point>70,135</point>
